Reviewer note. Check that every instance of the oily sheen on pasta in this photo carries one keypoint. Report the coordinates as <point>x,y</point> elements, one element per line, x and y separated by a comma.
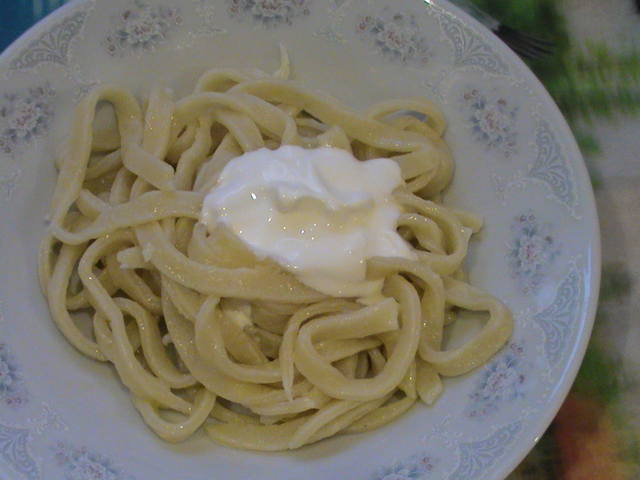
<point>126,255</point>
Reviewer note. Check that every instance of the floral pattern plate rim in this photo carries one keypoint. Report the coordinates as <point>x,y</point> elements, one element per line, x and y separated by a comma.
<point>517,165</point>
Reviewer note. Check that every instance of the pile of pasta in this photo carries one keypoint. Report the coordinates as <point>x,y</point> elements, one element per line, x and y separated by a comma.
<point>203,333</point>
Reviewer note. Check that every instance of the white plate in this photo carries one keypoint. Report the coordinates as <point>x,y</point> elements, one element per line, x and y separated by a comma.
<point>63,416</point>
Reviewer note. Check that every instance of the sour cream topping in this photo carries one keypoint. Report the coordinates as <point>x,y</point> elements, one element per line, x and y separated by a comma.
<point>319,213</point>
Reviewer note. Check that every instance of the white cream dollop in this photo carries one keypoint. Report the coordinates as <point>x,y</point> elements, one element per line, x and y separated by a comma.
<point>319,213</point>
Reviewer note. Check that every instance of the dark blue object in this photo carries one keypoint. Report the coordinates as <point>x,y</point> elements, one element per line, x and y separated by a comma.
<point>16,16</point>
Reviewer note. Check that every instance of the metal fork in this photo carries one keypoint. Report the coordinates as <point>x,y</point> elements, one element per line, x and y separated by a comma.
<point>528,46</point>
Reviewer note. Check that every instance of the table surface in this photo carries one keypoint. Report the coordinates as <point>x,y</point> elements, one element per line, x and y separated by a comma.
<point>596,435</point>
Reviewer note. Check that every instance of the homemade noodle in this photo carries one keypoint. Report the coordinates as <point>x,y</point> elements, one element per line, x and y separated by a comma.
<point>164,295</point>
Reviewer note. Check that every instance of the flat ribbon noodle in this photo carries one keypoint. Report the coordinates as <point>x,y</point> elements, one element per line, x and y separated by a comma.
<point>203,331</point>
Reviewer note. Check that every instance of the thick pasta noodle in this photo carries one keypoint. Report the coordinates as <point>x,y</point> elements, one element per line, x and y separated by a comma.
<point>166,298</point>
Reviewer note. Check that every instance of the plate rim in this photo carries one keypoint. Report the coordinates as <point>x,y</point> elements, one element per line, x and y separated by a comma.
<point>575,157</point>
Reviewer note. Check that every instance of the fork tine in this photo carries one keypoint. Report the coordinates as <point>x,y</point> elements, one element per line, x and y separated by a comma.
<point>524,53</point>
<point>544,50</point>
<point>535,53</point>
<point>538,43</point>
<point>532,39</point>
<point>525,50</point>
<point>525,45</point>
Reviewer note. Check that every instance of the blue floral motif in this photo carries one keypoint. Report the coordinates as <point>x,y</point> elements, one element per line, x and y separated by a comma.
<point>81,464</point>
<point>208,14</point>
<point>477,457</point>
<point>269,13</point>
<point>555,320</point>
<point>52,46</point>
<point>492,121</point>
<point>141,27</point>
<point>415,467</point>
<point>8,184</point>
<point>531,252</point>
<point>551,168</point>
<point>396,35</point>
<point>469,49</point>
<point>503,380</point>
<point>15,452</point>
<point>12,390</point>
<point>24,116</point>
